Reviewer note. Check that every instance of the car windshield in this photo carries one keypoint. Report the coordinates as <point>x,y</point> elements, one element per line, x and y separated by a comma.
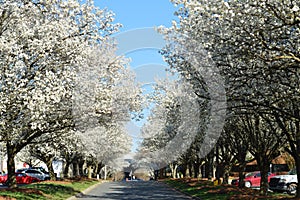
<point>43,170</point>
<point>250,174</point>
<point>21,170</point>
<point>293,172</point>
<point>39,169</point>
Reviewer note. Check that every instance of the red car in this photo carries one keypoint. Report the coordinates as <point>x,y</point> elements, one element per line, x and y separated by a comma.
<point>21,178</point>
<point>252,179</point>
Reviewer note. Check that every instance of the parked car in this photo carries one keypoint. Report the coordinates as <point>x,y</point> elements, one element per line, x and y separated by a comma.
<point>41,169</point>
<point>21,178</point>
<point>132,179</point>
<point>284,183</point>
<point>252,179</point>
<point>34,173</point>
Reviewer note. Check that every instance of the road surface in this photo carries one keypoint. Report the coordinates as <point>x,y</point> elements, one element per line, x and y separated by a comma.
<point>133,190</point>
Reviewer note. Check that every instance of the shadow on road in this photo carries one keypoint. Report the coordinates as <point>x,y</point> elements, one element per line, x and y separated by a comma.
<point>141,190</point>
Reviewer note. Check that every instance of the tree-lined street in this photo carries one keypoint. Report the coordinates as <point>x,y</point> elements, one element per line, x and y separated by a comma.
<point>232,97</point>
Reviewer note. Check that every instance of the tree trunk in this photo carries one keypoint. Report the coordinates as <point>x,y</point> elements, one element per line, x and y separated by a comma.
<point>173,168</point>
<point>75,169</point>
<point>210,165</point>
<point>80,166</point>
<point>50,170</point>
<point>100,165</point>
<point>90,171</point>
<point>183,170</point>
<point>156,173</point>
<point>161,172</point>
<point>203,170</point>
<point>242,168</point>
<point>190,170</point>
<point>297,154</point>
<point>66,169</point>
<point>226,173</point>
<point>196,169</point>
<point>217,164</point>
<point>297,160</point>
<point>11,153</point>
<point>264,168</point>
<point>105,172</point>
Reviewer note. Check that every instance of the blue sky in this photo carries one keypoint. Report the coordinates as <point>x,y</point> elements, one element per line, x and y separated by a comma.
<point>140,13</point>
<point>137,41</point>
<point>134,14</point>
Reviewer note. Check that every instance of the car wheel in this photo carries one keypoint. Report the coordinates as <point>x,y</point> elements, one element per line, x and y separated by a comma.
<point>248,184</point>
<point>291,189</point>
<point>34,181</point>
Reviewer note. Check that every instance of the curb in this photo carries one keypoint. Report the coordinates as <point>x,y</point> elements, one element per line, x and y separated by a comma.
<point>81,194</point>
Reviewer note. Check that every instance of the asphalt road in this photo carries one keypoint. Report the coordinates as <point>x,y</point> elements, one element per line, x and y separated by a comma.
<point>134,190</point>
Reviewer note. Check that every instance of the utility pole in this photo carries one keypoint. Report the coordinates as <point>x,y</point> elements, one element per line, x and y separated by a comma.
<point>217,164</point>
<point>1,159</point>
<point>104,172</point>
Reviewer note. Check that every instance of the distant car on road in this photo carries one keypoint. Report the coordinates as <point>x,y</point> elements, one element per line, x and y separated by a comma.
<point>252,179</point>
<point>132,179</point>
<point>21,178</point>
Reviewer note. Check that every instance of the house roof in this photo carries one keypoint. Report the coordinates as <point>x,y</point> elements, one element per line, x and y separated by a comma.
<point>278,160</point>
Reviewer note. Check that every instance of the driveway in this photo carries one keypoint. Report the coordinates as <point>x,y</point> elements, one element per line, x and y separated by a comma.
<point>134,190</point>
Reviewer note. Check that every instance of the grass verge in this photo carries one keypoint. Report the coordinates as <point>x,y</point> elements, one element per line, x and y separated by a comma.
<point>205,190</point>
<point>54,190</point>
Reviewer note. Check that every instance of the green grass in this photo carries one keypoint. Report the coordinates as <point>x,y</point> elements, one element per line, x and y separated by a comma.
<point>206,190</point>
<point>20,195</point>
<point>201,189</point>
<point>48,190</point>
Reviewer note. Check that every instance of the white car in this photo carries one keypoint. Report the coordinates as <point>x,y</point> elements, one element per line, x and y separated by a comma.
<point>41,169</point>
<point>284,183</point>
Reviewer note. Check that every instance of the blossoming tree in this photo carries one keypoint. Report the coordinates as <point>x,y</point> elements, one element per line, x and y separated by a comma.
<point>41,44</point>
